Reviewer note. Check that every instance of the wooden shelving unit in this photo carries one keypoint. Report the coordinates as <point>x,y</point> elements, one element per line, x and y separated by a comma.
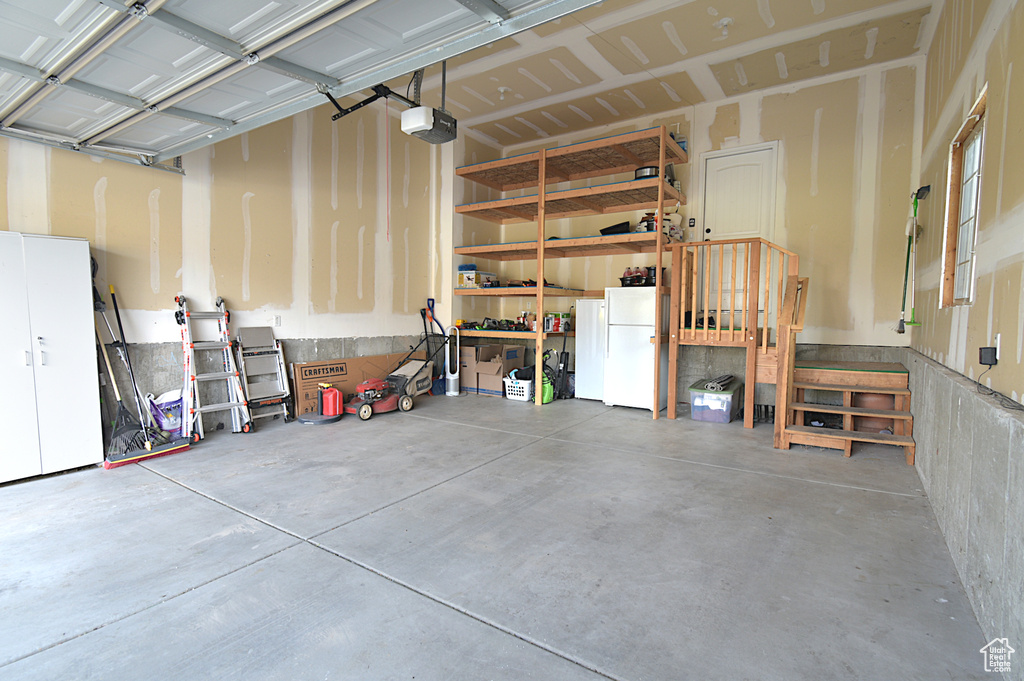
<point>585,160</point>
<point>519,291</point>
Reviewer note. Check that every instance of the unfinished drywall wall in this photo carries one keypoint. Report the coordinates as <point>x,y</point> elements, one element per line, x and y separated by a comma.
<point>956,32</point>
<point>252,221</point>
<point>251,243</point>
<point>953,335</point>
<point>970,452</point>
<point>344,182</point>
<point>132,220</point>
<point>846,153</point>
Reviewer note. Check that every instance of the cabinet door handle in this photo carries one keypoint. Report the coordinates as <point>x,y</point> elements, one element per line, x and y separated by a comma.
<point>42,355</point>
<point>28,358</point>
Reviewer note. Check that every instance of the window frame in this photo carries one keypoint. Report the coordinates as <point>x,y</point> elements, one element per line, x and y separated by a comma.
<point>974,123</point>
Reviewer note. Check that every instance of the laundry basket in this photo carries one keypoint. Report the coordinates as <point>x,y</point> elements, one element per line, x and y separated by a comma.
<point>516,389</point>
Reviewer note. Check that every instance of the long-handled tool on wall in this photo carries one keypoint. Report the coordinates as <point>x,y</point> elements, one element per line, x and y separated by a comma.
<point>911,239</point>
<point>129,435</point>
<point>153,442</point>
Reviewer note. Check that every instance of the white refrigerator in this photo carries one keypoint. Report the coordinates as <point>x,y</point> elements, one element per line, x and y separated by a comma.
<point>590,337</point>
<point>629,352</point>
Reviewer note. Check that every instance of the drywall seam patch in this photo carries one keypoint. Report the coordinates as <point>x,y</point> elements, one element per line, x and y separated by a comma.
<point>302,200</point>
<point>99,200</point>
<point>28,201</point>
<point>332,301</point>
<point>334,167</point>
<point>197,276</point>
<point>1002,139</point>
<point>154,240</point>
<point>869,114</point>
<point>360,161</point>
<point>815,150</point>
<point>361,240</point>
<point>246,244</point>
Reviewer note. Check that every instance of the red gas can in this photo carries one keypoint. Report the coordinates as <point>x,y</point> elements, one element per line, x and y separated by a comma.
<point>332,402</point>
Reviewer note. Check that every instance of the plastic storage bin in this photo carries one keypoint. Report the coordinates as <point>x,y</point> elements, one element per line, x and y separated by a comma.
<point>715,406</point>
<point>518,390</point>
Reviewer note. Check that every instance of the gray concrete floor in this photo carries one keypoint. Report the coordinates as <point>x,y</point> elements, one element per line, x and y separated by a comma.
<point>478,538</point>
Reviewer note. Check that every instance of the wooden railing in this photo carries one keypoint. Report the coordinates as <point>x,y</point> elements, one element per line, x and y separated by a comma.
<point>736,293</point>
<point>713,311</point>
<point>791,322</point>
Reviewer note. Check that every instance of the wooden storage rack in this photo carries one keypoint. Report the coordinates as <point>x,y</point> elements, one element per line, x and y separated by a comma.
<point>585,160</point>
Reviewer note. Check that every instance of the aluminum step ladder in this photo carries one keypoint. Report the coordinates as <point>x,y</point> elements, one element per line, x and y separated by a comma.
<point>264,377</point>
<point>199,356</point>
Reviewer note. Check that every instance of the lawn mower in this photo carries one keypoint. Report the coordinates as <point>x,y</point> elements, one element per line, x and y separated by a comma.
<point>377,395</point>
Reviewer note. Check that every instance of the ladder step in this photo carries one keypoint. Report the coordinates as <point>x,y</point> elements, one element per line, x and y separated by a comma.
<point>206,315</point>
<point>850,388</point>
<point>216,376</point>
<point>854,435</point>
<point>211,345</point>
<point>856,411</point>
<point>220,407</point>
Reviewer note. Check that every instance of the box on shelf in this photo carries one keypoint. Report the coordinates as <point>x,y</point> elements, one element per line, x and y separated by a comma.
<point>476,279</point>
<point>717,406</point>
<point>556,322</point>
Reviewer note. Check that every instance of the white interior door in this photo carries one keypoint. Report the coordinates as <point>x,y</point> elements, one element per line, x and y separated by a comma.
<point>740,188</point>
<point>64,349</point>
<point>19,456</point>
<point>739,193</point>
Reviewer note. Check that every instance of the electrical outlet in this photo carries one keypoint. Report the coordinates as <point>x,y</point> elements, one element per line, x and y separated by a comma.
<point>277,320</point>
<point>998,345</point>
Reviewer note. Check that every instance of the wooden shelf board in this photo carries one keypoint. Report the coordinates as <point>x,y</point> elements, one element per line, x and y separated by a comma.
<point>583,160</point>
<point>480,333</point>
<point>854,411</point>
<point>602,199</point>
<point>614,244</point>
<point>854,435</point>
<point>835,387</point>
<point>521,291</point>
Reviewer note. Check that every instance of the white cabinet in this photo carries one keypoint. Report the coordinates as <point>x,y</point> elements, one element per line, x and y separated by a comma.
<point>49,403</point>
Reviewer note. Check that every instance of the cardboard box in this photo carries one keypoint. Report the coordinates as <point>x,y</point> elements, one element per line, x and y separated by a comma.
<point>476,279</point>
<point>494,362</point>
<point>467,368</point>
<point>343,374</point>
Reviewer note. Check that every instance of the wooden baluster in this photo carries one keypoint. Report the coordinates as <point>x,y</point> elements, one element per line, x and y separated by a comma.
<point>746,289</point>
<point>707,289</point>
<point>682,275</point>
<point>721,274</point>
<point>767,302</point>
<point>693,311</point>
<point>781,277</point>
<point>753,291</point>
<point>732,295</point>
<point>678,287</point>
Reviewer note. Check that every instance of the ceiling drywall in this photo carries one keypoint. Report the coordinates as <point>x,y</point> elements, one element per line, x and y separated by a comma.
<point>627,58</point>
<point>152,80</point>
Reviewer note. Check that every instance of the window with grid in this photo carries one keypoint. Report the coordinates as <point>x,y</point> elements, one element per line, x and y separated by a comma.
<point>970,180</point>
<point>963,195</point>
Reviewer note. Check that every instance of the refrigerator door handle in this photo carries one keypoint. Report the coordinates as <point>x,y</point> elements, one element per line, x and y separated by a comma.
<point>607,338</point>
